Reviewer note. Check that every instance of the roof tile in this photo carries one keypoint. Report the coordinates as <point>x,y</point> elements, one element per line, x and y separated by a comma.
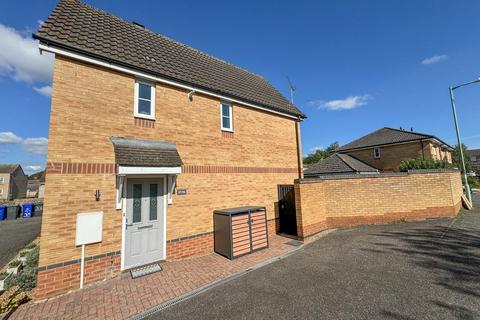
<point>76,25</point>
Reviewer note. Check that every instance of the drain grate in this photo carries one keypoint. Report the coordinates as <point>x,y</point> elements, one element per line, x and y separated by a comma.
<point>294,243</point>
<point>143,271</point>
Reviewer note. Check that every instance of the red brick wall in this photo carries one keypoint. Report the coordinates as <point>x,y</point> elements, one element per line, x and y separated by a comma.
<point>52,282</point>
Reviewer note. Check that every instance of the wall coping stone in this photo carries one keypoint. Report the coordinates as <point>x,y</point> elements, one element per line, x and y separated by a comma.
<point>373,175</point>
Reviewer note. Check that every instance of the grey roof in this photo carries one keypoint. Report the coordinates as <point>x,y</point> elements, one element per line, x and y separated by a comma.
<point>76,26</point>
<point>338,164</point>
<point>145,153</point>
<point>8,168</point>
<point>386,136</point>
<point>473,152</point>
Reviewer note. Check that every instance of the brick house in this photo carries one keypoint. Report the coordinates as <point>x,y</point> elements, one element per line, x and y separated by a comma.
<point>385,148</point>
<point>474,155</point>
<point>156,135</point>
<point>13,182</point>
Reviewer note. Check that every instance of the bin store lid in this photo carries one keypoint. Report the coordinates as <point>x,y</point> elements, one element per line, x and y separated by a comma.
<point>239,210</point>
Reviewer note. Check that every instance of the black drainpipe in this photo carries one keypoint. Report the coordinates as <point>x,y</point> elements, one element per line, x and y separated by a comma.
<point>423,152</point>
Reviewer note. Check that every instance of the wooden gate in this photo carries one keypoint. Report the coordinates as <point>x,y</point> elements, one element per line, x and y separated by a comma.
<point>286,209</point>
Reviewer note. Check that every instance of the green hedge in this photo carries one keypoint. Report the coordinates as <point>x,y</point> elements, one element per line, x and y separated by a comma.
<point>419,163</point>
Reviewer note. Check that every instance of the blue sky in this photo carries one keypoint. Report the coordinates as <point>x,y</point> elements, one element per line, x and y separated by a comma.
<point>357,65</point>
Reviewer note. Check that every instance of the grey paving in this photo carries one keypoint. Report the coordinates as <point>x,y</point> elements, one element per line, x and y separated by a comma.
<point>404,271</point>
<point>15,234</point>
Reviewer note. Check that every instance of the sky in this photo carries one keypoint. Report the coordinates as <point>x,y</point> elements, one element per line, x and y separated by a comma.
<point>357,65</point>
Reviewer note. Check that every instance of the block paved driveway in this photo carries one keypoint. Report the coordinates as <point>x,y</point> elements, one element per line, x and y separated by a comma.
<point>15,234</point>
<point>416,270</point>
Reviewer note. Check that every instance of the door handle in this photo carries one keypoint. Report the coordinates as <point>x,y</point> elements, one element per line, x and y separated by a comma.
<point>145,227</point>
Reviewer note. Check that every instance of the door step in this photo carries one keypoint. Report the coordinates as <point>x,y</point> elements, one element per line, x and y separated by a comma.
<point>145,270</point>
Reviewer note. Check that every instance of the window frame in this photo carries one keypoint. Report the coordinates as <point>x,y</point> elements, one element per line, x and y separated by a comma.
<point>375,156</point>
<point>136,113</point>
<point>222,103</point>
<point>2,180</point>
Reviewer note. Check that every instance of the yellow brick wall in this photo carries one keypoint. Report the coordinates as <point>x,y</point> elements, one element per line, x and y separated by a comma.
<point>90,104</point>
<point>319,200</point>
<point>5,186</point>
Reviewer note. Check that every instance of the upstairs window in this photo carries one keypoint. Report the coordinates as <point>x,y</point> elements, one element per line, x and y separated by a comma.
<point>2,180</point>
<point>376,153</point>
<point>226,116</point>
<point>144,100</point>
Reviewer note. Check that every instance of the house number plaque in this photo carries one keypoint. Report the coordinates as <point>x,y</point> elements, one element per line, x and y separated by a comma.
<point>181,192</point>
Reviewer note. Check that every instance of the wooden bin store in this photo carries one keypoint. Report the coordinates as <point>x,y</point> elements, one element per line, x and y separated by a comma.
<point>240,231</point>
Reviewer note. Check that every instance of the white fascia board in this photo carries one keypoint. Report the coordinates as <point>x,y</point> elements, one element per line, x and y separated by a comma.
<point>146,76</point>
<point>149,170</point>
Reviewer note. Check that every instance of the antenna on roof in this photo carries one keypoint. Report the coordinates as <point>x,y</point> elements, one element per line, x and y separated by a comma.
<point>292,89</point>
<point>411,129</point>
<point>138,24</point>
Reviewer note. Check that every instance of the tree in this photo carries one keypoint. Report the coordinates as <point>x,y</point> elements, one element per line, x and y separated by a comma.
<point>457,160</point>
<point>320,154</point>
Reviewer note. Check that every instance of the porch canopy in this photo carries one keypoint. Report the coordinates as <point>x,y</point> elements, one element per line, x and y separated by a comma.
<point>135,156</point>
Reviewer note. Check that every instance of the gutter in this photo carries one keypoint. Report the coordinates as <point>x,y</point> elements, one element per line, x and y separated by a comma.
<point>92,58</point>
<point>391,144</point>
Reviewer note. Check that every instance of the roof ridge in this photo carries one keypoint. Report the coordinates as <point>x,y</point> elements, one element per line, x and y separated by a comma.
<point>164,36</point>
<point>343,160</point>
<point>412,132</point>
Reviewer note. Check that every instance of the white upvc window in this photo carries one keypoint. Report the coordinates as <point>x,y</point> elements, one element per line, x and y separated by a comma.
<point>376,153</point>
<point>226,119</point>
<point>1,192</point>
<point>2,180</point>
<point>473,158</point>
<point>144,100</point>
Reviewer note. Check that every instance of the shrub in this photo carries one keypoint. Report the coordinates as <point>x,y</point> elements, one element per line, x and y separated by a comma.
<point>32,257</point>
<point>25,280</point>
<point>3,275</point>
<point>12,298</point>
<point>419,163</point>
<point>31,245</point>
<point>14,263</point>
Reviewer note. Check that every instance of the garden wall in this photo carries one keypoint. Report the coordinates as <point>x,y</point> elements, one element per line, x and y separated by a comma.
<point>343,201</point>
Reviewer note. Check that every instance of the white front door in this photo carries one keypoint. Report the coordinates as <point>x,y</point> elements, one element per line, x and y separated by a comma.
<point>145,221</point>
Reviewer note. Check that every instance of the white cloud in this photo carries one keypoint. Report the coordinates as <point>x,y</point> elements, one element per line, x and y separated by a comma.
<point>33,168</point>
<point>45,90</point>
<point>35,145</point>
<point>313,149</point>
<point>341,104</point>
<point>9,137</point>
<point>435,59</point>
<point>20,58</point>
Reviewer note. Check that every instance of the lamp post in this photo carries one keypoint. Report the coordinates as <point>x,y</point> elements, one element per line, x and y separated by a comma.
<point>459,140</point>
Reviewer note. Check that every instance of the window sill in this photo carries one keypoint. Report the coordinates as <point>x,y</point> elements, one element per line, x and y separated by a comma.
<point>141,116</point>
<point>227,130</point>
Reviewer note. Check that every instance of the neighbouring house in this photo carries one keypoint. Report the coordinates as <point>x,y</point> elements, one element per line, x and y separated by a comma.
<point>36,186</point>
<point>338,164</point>
<point>155,135</point>
<point>474,155</point>
<point>385,148</point>
<point>13,182</point>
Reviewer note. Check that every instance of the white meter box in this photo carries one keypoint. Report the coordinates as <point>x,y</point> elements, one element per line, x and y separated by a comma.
<point>89,228</point>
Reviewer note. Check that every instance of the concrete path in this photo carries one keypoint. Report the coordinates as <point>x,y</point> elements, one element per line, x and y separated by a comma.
<point>15,234</point>
<point>417,270</point>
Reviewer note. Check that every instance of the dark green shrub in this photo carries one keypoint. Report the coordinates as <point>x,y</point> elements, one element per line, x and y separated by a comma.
<point>419,164</point>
